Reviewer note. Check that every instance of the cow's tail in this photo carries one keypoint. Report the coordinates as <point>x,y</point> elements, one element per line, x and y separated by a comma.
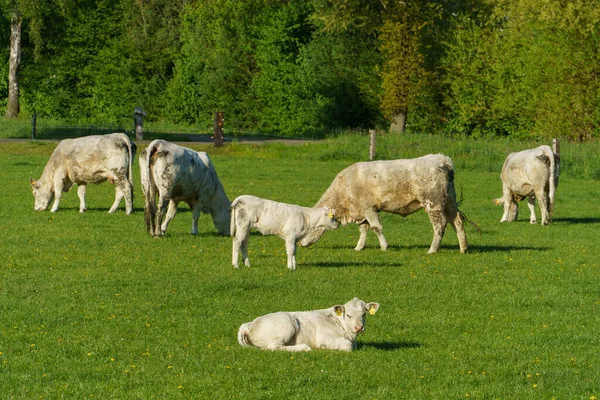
<point>132,149</point>
<point>553,180</point>
<point>452,194</point>
<point>149,188</point>
<point>244,335</point>
<point>232,219</point>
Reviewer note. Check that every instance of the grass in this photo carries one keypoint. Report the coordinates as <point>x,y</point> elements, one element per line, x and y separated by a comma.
<point>91,306</point>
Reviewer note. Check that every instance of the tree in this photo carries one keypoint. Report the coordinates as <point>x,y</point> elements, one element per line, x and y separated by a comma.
<point>398,26</point>
<point>18,11</point>
<point>14,61</point>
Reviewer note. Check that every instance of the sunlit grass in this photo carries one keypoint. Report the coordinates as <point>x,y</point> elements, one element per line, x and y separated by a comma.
<point>91,306</point>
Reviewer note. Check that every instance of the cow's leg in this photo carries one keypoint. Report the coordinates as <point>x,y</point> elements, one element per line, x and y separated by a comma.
<point>81,188</point>
<point>362,238</point>
<point>235,252</point>
<point>127,192</point>
<point>240,243</point>
<point>531,205</point>
<point>511,210</point>
<point>338,343</point>
<point>58,190</point>
<point>294,348</point>
<point>543,203</point>
<point>290,248</point>
<point>161,210</point>
<point>118,197</point>
<point>438,221</point>
<point>375,224</point>
<point>456,220</point>
<point>171,211</point>
<point>196,209</point>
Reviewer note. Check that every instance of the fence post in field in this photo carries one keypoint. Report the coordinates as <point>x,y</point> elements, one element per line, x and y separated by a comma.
<point>218,134</point>
<point>33,124</point>
<point>138,120</point>
<point>556,146</point>
<point>373,134</point>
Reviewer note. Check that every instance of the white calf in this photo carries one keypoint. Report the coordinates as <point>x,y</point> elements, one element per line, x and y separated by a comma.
<point>333,328</point>
<point>290,222</point>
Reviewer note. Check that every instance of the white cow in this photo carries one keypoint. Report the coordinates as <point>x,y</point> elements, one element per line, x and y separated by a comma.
<point>532,174</point>
<point>333,328</point>
<point>290,222</point>
<point>361,191</point>
<point>89,159</point>
<point>175,174</point>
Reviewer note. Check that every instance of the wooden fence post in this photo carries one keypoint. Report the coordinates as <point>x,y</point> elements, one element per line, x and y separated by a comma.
<point>556,146</point>
<point>373,145</point>
<point>218,133</point>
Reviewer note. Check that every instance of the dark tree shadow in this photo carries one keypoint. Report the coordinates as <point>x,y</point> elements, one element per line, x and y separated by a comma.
<point>389,346</point>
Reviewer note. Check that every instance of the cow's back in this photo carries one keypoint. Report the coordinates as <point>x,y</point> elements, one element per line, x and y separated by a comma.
<point>523,171</point>
<point>92,158</point>
<point>397,186</point>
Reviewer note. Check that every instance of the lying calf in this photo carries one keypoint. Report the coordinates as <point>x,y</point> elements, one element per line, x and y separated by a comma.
<point>290,222</point>
<point>333,328</point>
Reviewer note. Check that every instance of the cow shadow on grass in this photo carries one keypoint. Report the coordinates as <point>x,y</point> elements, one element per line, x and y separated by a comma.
<point>349,264</point>
<point>389,346</point>
<point>449,247</point>
<point>585,220</point>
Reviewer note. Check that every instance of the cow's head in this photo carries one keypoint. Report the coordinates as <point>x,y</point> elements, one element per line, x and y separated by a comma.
<point>43,194</point>
<point>352,315</point>
<point>221,217</point>
<point>325,221</point>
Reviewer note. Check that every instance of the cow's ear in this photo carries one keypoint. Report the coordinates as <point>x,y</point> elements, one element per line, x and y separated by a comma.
<point>339,310</point>
<point>497,201</point>
<point>34,183</point>
<point>372,308</point>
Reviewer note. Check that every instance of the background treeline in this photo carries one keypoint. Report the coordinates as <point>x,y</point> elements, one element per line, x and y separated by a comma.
<point>518,68</point>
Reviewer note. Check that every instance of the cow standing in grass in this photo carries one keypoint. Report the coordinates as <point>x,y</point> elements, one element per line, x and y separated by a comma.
<point>533,174</point>
<point>175,173</point>
<point>89,159</point>
<point>361,191</point>
<point>333,328</point>
<point>290,222</point>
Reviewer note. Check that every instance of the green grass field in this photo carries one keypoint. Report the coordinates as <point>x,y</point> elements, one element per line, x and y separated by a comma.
<point>93,307</point>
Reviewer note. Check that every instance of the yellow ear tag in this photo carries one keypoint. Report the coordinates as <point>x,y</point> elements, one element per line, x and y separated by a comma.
<point>330,215</point>
<point>338,312</point>
<point>372,311</point>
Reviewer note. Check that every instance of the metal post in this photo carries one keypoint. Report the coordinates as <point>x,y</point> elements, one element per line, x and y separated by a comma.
<point>33,125</point>
<point>218,133</point>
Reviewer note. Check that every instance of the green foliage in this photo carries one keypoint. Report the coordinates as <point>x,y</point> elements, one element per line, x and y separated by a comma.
<point>517,68</point>
<point>516,71</point>
<point>93,307</point>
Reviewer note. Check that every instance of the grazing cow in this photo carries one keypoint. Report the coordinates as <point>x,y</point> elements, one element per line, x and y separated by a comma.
<point>333,328</point>
<point>175,174</point>
<point>88,159</point>
<point>532,174</point>
<point>290,222</point>
<point>361,191</point>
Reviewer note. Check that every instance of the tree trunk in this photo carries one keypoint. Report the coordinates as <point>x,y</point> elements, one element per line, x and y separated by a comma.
<point>14,61</point>
<point>398,124</point>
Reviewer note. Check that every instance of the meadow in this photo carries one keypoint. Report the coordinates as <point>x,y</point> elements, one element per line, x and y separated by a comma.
<point>92,307</point>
